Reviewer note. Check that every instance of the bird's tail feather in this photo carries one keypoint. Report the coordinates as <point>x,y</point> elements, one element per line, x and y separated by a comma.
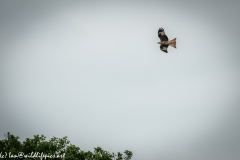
<point>173,43</point>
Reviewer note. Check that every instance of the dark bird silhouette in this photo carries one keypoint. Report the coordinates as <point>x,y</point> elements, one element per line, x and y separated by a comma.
<point>164,41</point>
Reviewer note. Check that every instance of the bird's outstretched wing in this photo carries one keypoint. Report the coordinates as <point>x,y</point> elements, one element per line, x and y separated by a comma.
<point>164,48</point>
<point>162,35</point>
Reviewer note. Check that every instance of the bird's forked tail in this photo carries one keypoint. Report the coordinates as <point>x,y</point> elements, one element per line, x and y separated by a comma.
<point>173,43</point>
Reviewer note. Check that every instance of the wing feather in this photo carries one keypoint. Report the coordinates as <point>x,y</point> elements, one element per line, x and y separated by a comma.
<point>164,48</point>
<point>162,35</point>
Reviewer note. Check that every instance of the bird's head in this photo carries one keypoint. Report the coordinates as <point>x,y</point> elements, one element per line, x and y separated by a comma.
<point>162,42</point>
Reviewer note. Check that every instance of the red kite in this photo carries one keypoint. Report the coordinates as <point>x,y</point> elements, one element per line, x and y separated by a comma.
<point>164,41</point>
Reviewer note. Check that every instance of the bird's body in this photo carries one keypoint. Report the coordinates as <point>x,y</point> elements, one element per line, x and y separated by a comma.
<point>164,41</point>
<point>171,43</point>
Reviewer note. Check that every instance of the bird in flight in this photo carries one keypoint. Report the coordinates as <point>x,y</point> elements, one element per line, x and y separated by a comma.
<point>164,41</point>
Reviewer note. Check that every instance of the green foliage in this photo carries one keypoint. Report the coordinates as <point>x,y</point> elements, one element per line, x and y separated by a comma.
<point>54,149</point>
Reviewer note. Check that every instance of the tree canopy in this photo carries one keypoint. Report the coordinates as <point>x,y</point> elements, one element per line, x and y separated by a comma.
<point>55,149</point>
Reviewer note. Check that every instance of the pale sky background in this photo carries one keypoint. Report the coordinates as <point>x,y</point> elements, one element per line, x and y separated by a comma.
<point>93,71</point>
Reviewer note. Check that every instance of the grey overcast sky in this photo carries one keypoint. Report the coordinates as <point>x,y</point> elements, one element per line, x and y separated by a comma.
<point>93,71</point>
